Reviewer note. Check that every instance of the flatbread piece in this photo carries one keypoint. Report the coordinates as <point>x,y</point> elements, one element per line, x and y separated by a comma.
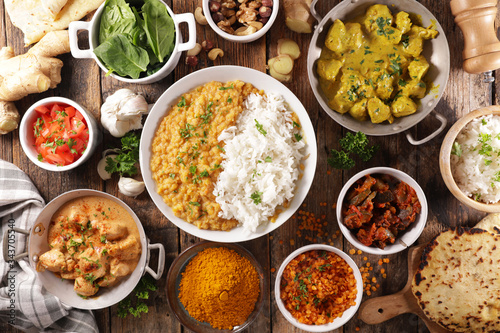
<point>457,284</point>
<point>36,17</point>
<point>490,223</point>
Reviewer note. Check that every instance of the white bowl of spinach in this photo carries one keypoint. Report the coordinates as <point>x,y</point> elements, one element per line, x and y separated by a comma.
<point>135,41</point>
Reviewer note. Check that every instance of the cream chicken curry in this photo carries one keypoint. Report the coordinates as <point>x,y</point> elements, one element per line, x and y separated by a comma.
<point>372,67</point>
<point>93,241</point>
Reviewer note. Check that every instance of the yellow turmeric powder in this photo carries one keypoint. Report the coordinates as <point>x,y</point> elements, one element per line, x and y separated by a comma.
<point>219,287</point>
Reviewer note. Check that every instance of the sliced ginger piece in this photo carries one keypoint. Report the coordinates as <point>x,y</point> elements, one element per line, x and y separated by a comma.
<point>289,47</point>
<point>282,64</point>
<point>278,76</point>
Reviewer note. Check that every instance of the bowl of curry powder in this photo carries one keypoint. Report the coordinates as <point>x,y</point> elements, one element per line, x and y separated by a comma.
<point>214,287</point>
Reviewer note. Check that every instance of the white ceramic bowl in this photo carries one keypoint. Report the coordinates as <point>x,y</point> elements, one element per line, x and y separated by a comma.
<point>27,137</point>
<point>240,39</point>
<point>93,30</point>
<point>63,289</point>
<point>337,322</point>
<point>224,74</point>
<point>404,240</point>
<point>445,155</point>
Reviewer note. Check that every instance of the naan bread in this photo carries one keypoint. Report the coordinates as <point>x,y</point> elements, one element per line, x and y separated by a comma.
<point>53,7</point>
<point>490,223</point>
<point>457,284</point>
<point>36,17</point>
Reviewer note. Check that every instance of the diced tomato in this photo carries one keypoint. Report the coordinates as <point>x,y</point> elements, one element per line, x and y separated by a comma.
<point>79,115</point>
<point>56,108</point>
<point>79,146</point>
<point>70,111</point>
<point>61,135</point>
<point>77,127</point>
<point>55,159</point>
<point>42,109</point>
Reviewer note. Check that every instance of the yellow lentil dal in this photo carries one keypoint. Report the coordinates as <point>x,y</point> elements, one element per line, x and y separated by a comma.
<point>186,154</point>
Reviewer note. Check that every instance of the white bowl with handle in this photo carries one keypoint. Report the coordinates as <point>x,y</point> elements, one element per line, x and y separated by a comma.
<point>93,30</point>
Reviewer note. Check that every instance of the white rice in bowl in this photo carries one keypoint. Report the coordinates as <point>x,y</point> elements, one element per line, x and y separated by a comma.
<point>261,160</point>
<point>475,161</point>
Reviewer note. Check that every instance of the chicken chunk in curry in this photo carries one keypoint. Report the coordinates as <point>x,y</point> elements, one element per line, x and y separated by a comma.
<point>372,67</point>
<point>93,241</point>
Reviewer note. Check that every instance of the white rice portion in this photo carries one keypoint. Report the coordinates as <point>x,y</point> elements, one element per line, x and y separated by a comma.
<point>254,162</point>
<point>477,174</point>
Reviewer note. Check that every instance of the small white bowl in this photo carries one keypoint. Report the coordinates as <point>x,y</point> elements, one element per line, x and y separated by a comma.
<point>409,236</point>
<point>240,39</point>
<point>27,137</point>
<point>337,322</point>
<point>93,30</point>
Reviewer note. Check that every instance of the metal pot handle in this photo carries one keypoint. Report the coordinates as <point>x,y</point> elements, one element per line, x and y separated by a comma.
<point>314,13</point>
<point>161,261</point>
<point>5,248</point>
<point>439,117</point>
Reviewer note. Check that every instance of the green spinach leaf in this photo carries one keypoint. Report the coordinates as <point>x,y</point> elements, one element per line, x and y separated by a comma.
<point>116,18</point>
<point>120,55</point>
<point>159,28</point>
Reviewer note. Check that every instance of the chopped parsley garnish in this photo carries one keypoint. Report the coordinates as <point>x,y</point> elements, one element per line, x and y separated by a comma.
<point>182,102</point>
<point>298,137</point>
<point>268,159</point>
<point>186,131</point>
<point>456,149</point>
<point>260,128</point>
<point>256,197</point>
<point>194,203</point>
<point>296,125</point>
<point>226,88</point>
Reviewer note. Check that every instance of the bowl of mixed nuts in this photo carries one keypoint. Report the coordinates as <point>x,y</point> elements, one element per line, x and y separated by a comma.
<point>241,21</point>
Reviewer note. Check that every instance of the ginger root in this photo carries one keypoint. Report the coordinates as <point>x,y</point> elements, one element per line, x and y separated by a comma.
<point>33,72</point>
<point>298,16</point>
<point>9,117</point>
<point>281,66</point>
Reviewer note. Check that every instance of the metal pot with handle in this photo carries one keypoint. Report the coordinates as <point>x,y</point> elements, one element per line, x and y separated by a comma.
<point>436,51</point>
<point>63,289</point>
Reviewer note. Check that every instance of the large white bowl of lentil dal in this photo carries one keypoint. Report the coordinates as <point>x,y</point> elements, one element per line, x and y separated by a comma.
<point>181,159</point>
<point>318,288</point>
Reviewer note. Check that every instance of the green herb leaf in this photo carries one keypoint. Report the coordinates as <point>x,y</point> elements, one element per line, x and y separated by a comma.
<point>340,160</point>
<point>260,128</point>
<point>456,149</point>
<point>226,88</point>
<point>256,197</point>
<point>182,102</point>
<point>159,28</point>
<point>116,18</point>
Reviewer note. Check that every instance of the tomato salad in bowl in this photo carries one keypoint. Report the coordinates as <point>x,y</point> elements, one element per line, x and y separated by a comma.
<point>57,134</point>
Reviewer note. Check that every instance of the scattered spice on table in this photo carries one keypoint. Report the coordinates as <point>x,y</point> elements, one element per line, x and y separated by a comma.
<point>317,287</point>
<point>219,287</point>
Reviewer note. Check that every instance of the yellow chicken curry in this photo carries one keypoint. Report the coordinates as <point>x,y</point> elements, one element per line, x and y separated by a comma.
<point>372,67</point>
<point>93,241</point>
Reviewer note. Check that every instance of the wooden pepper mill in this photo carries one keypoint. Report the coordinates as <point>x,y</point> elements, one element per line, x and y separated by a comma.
<point>476,19</point>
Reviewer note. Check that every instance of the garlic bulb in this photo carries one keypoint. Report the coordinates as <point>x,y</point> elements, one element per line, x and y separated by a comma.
<point>130,187</point>
<point>101,166</point>
<point>122,112</point>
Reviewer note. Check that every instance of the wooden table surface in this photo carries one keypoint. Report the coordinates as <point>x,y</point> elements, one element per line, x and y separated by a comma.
<point>85,83</point>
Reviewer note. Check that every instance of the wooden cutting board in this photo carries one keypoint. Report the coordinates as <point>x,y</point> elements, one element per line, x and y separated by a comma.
<point>380,309</point>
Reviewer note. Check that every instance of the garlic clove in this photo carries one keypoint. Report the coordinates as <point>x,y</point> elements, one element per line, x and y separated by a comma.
<point>101,167</point>
<point>133,106</point>
<point>130,187</point>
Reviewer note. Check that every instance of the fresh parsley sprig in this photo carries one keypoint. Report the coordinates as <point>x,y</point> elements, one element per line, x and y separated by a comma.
<point>128,156</point>
<point>133,303</point>
<point>352,143</point>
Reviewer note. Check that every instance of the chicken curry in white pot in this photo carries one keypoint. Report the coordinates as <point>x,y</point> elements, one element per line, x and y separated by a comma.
<point>372,67</point>
<point>94,241</point>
